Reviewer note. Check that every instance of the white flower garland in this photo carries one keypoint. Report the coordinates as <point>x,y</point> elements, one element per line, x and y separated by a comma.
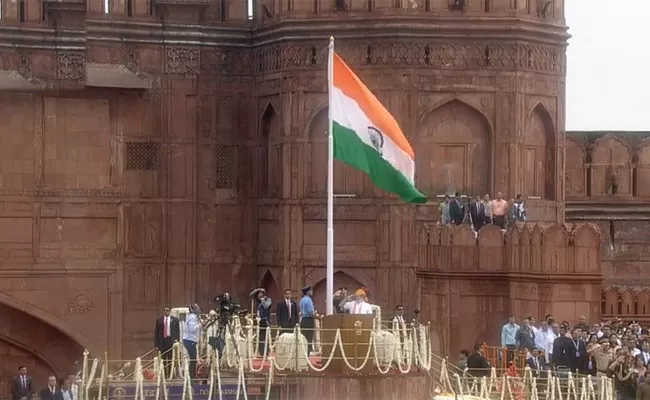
<point>241,383</point>
<point>139,380</point>
<point>269,383</point>
<point>188,390</point>
<point>84,367</point>
<point>305,351</point>
<point>392,350</point>
<point>383,349</point>
<point>318,346</point>
<point>102,378</point>
<point>91,377</point>
<point>267,350</point>
<point>218,375</point>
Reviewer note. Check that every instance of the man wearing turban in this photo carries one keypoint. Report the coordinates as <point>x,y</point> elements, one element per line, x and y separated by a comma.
<point>359,305</point>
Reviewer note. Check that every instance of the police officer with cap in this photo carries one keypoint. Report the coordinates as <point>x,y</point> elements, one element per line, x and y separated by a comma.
<point>308,312</point>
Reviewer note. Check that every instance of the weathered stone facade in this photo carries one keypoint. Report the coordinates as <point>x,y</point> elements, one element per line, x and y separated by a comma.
<point>605,175</point>
<point>161,153</point>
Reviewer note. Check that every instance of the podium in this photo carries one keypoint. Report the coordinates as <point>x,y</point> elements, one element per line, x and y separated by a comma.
<point>356,331</point>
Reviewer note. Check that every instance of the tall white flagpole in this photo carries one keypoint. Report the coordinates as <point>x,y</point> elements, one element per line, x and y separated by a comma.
<point>330,182</point>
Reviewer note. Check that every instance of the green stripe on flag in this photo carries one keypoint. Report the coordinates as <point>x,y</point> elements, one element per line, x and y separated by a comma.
<point>351,150</point>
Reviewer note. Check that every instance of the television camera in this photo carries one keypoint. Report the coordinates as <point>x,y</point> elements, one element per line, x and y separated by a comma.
<point>227,308</point>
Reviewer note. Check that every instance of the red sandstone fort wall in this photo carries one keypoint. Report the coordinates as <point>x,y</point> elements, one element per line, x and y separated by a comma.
<point>471,283</point>
<point>599,160</point>
<point>138,172</point>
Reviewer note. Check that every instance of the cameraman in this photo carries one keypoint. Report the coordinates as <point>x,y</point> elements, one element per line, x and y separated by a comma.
<point>263,304</point>
<point>225,310</point>
<point>226,307</point>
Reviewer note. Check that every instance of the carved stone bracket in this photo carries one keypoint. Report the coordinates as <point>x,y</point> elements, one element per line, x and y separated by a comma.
<point>181,60</point>
<point>71,66</point>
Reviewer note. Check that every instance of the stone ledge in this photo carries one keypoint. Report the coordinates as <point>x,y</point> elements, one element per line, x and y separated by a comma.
<point>116,76</point>
<point>14,81</point>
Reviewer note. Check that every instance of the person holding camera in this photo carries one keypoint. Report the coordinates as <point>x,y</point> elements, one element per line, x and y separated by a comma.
<point>225,310</point>
<point>263,304</point>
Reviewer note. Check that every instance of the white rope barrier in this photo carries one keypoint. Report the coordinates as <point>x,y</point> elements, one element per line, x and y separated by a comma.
<point>526,387</point>
<point>91,378</point>
<point>102,378</point>
<point>398,350</point>
<point>84,370</point>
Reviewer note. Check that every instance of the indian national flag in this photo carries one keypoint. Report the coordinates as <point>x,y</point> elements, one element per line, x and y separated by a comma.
<point>367,136</point>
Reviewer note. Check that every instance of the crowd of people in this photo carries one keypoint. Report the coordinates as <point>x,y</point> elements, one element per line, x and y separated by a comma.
<point>288,314</point>
<point>479,212</point>
<point>608,348</point>
<point>22,387</point>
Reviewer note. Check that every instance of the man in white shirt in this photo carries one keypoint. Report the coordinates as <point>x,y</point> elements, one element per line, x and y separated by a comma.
<point>191,335</point>
<point>551,335</point>
<point>541,337</point>
<point>359,306</point>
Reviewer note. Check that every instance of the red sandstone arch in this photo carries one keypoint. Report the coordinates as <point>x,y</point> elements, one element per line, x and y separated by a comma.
<point>538,157</point>
<point>525,249</point>
<point>454,150</point>
<point>575,174</point>
<point>269,284</point>
<point>611,155</point>
<point>340,279</point>
<point>535,249</point>
<point>513,249</point>
<point>586,235</point>
<point>49,319</point>
<point>30,340</point>
<point>464,251</point>
<point>347,180</point>
<point>490,248</point>
<point>269,158</point>
<point>586,245</point>
<point>554,246</point>
<point>429,247</point>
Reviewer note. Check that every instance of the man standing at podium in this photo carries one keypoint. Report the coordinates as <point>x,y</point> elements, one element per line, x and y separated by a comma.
<point>359,306</point>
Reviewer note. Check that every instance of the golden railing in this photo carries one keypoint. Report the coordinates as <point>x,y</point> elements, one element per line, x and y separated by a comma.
<point>499,357</point>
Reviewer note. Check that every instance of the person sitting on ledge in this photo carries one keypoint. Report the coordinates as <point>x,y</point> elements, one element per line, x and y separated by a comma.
<point>359,306</point>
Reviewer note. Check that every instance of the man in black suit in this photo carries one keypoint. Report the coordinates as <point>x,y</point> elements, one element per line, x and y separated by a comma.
<point>477,213</point>
<point>577,353</point>
<point>533,362</point>
<point>562,350</point>
<point>477,365</point>
<point>21,387</point>
<point>65,389</point>
<point>168,332</point>
<point>51,392</point>
<point>456,210</point>
<point>286,313</point>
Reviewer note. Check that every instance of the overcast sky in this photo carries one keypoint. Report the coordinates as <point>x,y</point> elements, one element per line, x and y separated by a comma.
<point>608,77</point>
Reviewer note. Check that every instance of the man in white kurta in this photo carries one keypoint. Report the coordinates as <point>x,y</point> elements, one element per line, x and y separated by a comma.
<point>359,306</point>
